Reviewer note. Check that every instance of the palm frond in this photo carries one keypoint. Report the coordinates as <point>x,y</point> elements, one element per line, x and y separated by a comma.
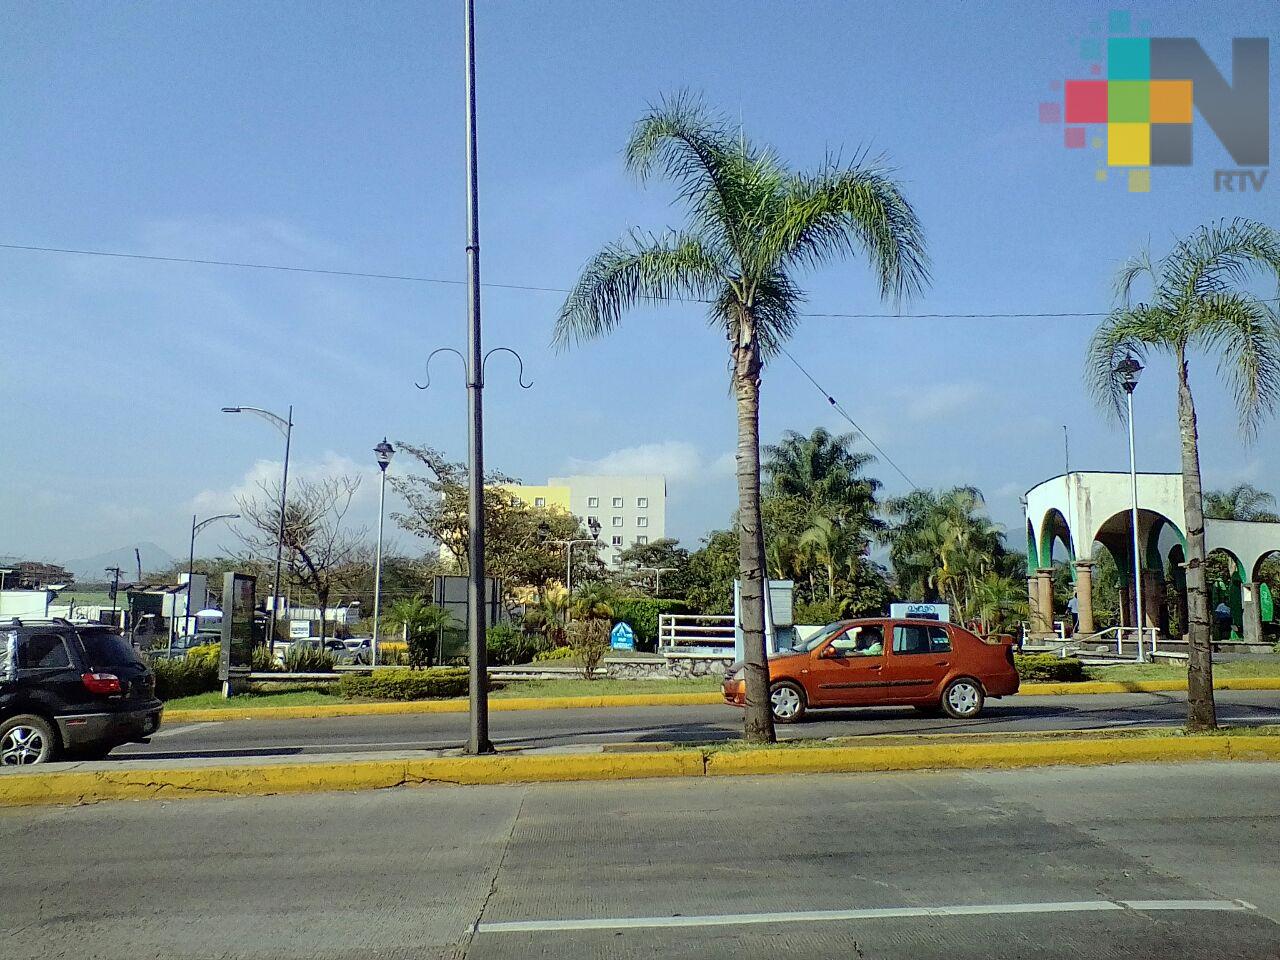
<point>1245,334</point>
<point>841,209</point>
<point>637,269</point>
<point>1134,330</point>
<point>1219,255</point>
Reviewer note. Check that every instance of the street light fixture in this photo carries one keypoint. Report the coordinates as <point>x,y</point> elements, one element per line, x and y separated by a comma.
<point>1127,372</point>
<point>383,452</point>
<point>196,527</point>
<point>657,577</point>
<point>285,426</point>
<point>594,526</point>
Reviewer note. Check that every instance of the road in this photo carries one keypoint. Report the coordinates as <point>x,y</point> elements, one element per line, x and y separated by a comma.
<point>1129,861</point>
<point>696,724</point>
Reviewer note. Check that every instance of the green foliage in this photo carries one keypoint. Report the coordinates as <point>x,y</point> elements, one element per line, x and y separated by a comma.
<point>593,601</point>
<point>185,678</point>
<point>639,560</point>
<point>507,645</point>
<point>264,660</point>
<point>555,653</point>
<point>818,612</point>
<point>642,614</point>
<point>589,640</point>
<point>1046,668</point>
<point>392,684</point>
<point>1242,502</point>
<point>300,659</point>
<point>205,653</point>
<point>712,569</point>
<point>420,622</point>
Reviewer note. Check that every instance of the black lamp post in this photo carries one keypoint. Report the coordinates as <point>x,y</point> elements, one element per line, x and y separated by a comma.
<point>383,452</point>
<point>1127,372</point>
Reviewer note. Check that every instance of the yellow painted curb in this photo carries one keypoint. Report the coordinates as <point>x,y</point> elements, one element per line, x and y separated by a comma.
<point>1141,686</point>
<point>142,783</point>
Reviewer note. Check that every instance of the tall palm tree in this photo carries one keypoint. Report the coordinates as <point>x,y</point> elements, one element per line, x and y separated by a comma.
<point>753,225</point>
<point>1198,302</point>
<point>835,545</point>
<point>823,469</point>
<point>1244,501</point>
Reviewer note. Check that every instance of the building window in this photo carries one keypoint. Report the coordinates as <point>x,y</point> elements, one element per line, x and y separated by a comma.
<point>617,541</point>
<point>593,501</point>
<point>593,521</point>
<point>642,503</point>
<point>539,501</point>
<point>642,521</point>
<point>641,541</point>
<point>617,503</point>
<point>617,521</point>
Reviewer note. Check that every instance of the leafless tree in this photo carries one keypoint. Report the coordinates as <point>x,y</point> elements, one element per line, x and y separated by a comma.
<point>320,552</point>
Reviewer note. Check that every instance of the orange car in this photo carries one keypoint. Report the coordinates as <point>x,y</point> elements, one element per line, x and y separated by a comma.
<point>926,664</point>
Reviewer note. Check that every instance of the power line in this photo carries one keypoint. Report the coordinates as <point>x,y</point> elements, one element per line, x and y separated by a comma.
<point>844,413</point>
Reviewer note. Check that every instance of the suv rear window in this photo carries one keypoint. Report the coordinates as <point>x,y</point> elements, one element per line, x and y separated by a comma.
<point>103,649</point>
<point>43,651</point>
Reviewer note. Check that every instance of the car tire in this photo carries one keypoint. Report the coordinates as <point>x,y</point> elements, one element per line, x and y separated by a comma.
<point>786,702</point>
<point>26,739</point>
<point>963,698</point>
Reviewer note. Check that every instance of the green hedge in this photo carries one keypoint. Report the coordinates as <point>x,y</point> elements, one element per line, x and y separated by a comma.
<point>405,684</point>
<point>1045,667</point>
<point>185,678</point>
<point>641,613</point>
<point>555,653</point>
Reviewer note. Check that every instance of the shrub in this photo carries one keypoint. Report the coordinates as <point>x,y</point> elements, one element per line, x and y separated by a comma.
<point>642,615</point>
<point>185,678</point>
<point>1034,667</point>
<point>555,653</point>
<point>818,612</point>
<point>405,684</point>
<point>308,660</point>
<point>264,661</point>
<point>206,653</point>
<point>393,655</point>
<point>589,640</point>
<point>508,645</point>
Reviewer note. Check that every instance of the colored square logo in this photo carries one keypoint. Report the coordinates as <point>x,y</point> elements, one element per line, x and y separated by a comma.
<point>1171,101</point>
<point>1171,144</point>
<point>1128,101</point>
<point>1051,113</point>
<point>1129,58</point>
<point>1073,137</point>
<point>1128,144</point>
<point>1086,101</point>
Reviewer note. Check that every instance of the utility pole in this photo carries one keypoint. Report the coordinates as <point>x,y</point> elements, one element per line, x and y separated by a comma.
<point>115,589</point>
<point>478,735</point>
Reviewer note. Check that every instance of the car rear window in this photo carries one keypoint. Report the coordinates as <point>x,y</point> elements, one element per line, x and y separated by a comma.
<point>43,651</point>
<point>104,649</point>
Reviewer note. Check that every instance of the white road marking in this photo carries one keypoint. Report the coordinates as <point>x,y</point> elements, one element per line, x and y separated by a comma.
<point>878,913</point>
<point>171,731</point>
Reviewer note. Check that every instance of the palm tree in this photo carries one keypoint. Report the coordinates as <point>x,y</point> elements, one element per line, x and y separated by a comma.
<point>1198,302</point>
<point>823,469</point>
<point>1242,502</point>
<point>835,545</point>
<point>1000,602</point>
<point>753,225</point>
<point>421,622</point>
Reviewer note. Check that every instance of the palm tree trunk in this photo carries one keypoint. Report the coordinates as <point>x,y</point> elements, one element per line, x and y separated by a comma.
<point>1201,711</point>
<point>758,724</point>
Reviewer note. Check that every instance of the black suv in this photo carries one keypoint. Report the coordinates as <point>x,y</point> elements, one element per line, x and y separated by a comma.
<point>70,689</point>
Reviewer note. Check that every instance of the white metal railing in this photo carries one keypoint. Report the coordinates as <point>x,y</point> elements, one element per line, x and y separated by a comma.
<point>694,630</point>
<point>1121,636</point>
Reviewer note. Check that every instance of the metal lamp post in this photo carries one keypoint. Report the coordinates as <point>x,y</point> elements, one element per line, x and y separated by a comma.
<point>285,426</point>
<point>384,452</point>
<point>196,527</point>
<point>657,577</point>
<point>1128,371</point>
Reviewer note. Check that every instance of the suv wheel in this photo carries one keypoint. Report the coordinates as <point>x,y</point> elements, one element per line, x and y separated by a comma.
<point>26,739</point>
<point>786,700</point>
<point>962,700</point>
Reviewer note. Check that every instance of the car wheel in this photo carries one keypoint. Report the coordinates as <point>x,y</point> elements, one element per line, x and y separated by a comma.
<point>786,700</point>
<point>27,739</point>
<point>962,700</point>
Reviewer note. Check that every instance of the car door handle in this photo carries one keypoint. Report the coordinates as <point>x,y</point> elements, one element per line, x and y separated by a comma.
<point>943,663</point>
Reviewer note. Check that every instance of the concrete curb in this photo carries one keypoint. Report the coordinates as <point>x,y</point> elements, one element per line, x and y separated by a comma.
<point>29,789</point>
<point>656,700</point>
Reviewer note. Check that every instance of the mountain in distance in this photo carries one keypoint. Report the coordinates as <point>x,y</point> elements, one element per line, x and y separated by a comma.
<point>92,569</point>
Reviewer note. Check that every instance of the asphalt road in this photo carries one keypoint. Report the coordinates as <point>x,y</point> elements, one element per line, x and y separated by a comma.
<point>690,724</point>
<point>1130,862</point>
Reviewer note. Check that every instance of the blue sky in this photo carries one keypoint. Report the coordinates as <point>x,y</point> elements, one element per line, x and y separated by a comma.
<point>331,135</point>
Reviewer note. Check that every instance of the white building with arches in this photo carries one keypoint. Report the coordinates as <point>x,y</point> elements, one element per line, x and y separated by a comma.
<point>1078,509</point>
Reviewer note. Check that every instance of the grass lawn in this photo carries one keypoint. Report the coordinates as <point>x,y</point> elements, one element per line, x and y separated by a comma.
<point>306,697</point>
<point>1235,669</point>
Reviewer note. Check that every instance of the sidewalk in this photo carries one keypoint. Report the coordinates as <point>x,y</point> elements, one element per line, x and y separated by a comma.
<point>91,782</point>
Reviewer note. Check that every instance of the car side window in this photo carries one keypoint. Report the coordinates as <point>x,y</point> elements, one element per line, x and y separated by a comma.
<point>43,651</point>
<point>939,640</point>
<point>860,641</point>
<point>908,640</point>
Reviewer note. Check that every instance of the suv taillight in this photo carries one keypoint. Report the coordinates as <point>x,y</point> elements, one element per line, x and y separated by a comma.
<point>104,683</point>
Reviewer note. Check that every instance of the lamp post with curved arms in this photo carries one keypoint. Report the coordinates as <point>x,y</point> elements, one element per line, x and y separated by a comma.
<point>568,562</point>
<point>196,527</point>
<point>285,426</point>
<point>383,452</point>
<point>657,577</point>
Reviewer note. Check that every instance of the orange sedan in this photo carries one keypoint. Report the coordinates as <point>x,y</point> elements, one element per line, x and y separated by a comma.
<point>932,666</point>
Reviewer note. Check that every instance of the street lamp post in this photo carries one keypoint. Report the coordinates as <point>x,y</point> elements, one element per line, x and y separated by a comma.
<point>196,527</point>
<point>1128,371</point>
<point>384,452</point>
<point>657,577</point>
<point>285,426</point>
<point>568,561</point>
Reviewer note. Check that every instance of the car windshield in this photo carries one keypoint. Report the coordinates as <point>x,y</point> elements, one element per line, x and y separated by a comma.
<point>103,649</point>
<point>806,646</point>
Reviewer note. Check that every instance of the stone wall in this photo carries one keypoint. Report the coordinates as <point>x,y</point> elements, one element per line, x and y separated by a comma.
<point>662,668</point>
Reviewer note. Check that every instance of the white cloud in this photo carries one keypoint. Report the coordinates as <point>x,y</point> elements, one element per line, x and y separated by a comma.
<point>678,460</point>
<point>267,473</point>
<point>942,400</point>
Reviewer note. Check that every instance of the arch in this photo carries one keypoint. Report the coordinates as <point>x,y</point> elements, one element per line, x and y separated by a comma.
<point>1155,556</point>
<point>1033,552</point>
<point>1238,568</point>
<point>1255,575</point>
<point>1053,527</point>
